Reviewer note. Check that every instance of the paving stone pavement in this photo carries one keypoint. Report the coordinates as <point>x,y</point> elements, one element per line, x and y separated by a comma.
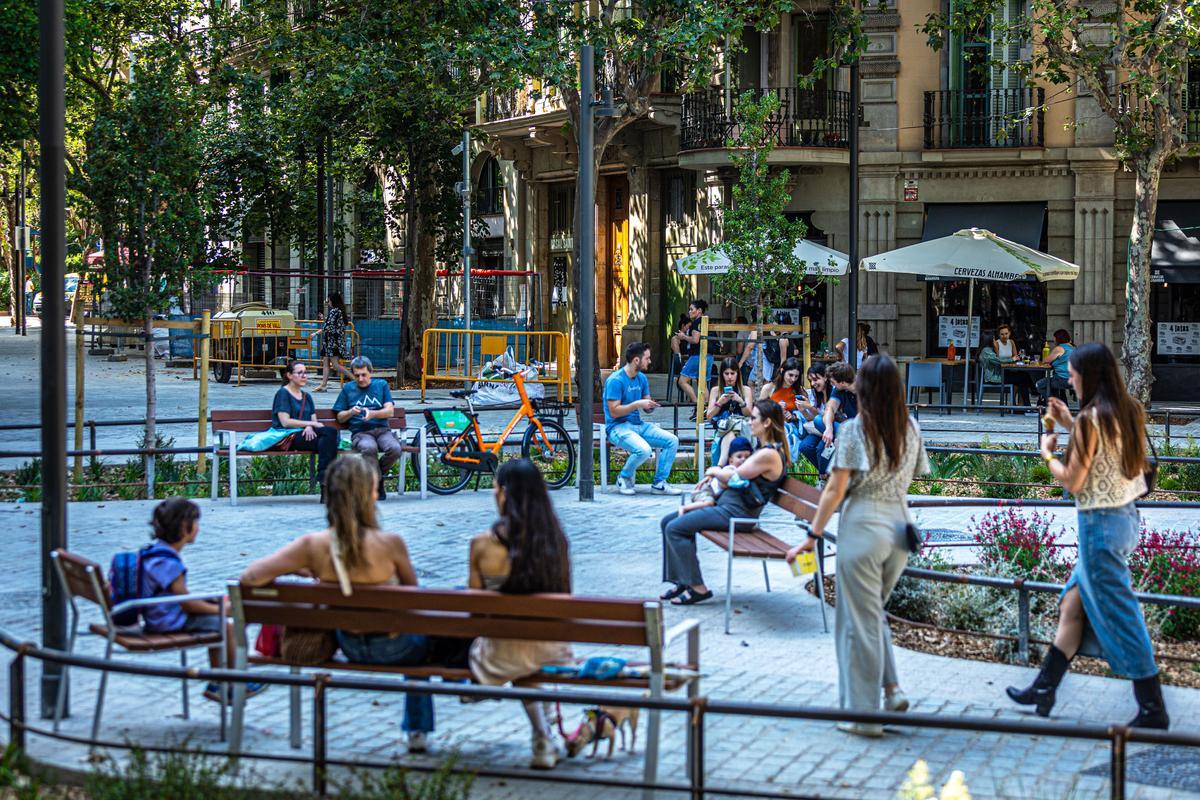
<point>777,654</point>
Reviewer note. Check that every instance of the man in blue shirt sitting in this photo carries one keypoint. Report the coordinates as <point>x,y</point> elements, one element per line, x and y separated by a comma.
<point>626,397</point>
<point>367,406</point>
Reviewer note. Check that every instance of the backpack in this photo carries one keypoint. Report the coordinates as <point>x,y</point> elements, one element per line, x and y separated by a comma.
<point>771,351</point>
<point>125,581</point>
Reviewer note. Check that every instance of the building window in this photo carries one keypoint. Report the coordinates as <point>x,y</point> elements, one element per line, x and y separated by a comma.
<point>562,208</point>
<point>987,93</point>
<point>681,197</point>
<point>489,197</point>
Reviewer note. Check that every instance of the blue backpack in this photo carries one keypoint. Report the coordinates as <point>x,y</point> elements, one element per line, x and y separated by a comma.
<point>125,581</point>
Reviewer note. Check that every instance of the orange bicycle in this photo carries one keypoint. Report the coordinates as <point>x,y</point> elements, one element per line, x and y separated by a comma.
<point>458,449</point>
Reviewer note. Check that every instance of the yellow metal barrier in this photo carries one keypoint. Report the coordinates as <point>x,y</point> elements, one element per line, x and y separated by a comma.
<point>455,356</point>
<point>263,347</point>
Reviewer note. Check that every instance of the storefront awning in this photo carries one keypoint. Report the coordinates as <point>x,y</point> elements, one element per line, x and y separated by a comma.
<point>1175,257</point>
<point>1018,222</point>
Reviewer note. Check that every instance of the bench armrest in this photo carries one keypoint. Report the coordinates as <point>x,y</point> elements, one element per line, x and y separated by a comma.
<point>690,629</point>
<point>735,521</point>
<point>146,602</point>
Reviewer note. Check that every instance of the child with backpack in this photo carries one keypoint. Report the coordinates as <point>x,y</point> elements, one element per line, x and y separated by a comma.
<point>160,572</point>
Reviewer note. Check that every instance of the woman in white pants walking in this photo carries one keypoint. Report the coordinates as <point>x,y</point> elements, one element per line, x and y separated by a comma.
<point>878,454</point>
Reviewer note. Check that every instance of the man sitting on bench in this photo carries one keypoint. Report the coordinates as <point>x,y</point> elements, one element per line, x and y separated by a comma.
<point>366,405</point>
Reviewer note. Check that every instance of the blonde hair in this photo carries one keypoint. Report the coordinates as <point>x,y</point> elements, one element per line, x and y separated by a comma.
<point>350,485</point>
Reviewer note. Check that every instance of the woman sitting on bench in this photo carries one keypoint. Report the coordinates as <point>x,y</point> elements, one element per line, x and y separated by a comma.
<point>746,490</point>
<point>524,552</point>
<point>353,551</point>
<point>295,410</point>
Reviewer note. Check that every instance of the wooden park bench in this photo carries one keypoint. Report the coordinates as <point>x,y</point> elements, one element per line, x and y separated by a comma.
<point>468,614</point>
<point>796,498</point>
<point>229,426</point>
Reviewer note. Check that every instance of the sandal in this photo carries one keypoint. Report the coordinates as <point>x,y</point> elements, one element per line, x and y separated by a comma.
<point>672,593</point>
<point>689,597</point>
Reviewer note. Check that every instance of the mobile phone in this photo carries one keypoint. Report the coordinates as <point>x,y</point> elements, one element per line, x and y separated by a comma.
<point>728,390</point>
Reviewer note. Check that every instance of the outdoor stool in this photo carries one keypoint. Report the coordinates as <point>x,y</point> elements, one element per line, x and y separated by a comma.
<point>83,579</point>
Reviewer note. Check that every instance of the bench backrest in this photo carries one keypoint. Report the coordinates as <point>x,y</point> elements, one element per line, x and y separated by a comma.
<point>798,498</point>
<point>82,578</point>
<point>447,612</point>
<point>257,419</point>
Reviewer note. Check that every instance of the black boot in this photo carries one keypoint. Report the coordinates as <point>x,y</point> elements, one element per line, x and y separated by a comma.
<point>1041,692</point>
<point>1152,710</point>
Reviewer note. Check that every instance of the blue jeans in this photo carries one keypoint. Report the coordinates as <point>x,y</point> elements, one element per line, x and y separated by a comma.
<point>1106,538</point>
<point>812,445</point>
<point>402,650</point>
<point>691,367</point>
<point>641,440</point>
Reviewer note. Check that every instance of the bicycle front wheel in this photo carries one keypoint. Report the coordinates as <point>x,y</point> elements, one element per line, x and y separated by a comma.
<point>443,478</point>
<point>553,453</point>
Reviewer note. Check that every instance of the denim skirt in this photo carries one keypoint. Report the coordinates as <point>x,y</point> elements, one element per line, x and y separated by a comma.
<point>1115,623</point>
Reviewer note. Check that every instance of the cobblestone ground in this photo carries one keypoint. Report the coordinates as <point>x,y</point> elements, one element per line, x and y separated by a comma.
<point>776,654</point>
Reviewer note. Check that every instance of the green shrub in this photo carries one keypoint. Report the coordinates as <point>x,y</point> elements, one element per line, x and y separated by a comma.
<point>915,599</point>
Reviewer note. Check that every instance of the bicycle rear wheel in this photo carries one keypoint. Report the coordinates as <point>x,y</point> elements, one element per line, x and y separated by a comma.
<point>553,455</point>
<point>441,477</point>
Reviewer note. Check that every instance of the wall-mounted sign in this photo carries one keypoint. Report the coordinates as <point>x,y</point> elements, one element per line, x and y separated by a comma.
<point>911,191</point>
<point>1178,338</point>
<point>955,329</point>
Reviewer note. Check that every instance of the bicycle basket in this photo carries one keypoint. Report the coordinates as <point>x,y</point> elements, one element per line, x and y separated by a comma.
<point>451,421</point>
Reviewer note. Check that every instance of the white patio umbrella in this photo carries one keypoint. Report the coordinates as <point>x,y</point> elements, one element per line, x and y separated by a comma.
<point>973,254</point>
<point>818,260</point>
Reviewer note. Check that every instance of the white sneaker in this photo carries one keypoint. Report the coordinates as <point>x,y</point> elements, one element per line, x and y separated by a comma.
<point>418,742</point>
<point>665,488</point>
<point>625,486</point>
<point>896,701</point>
<point>861,729</point>
<point>545,753</point>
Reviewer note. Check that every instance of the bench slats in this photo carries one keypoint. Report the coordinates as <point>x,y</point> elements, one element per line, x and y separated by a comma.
<point>749,544</point>
<point>256,419</point>
<point>441,623</point>
<point>407,598</point>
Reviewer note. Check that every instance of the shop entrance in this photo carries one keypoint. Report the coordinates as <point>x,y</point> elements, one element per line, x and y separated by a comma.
<point>1020,304</point>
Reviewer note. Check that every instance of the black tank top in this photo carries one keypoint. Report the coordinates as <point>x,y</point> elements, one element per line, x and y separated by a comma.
<point>750,500</point>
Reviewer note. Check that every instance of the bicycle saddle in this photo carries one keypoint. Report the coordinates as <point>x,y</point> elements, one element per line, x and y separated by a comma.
<point>462,393</point>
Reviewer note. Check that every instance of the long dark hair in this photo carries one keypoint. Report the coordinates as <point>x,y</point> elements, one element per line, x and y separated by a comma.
<point>882,411</point>
<point>1113,409</point>
<point>787,366</point>
<point>730,364</point>
<point>538,554</point>
<point>818,370</point>
<point>336,300</point>
<point>772,414</point>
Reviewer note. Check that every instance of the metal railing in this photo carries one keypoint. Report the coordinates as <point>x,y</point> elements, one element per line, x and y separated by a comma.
<point>697,712</point>
<point>806,118</point>
<point>456,355</point>
<point>992,118</point>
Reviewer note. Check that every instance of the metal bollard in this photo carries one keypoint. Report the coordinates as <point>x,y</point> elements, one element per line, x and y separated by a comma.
<point>1116,789</point>
<point>16,701</point>
<point>696,748</point>
<point>1022,621</point>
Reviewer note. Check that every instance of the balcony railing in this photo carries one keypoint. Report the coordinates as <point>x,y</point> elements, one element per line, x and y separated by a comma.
<point>1191,104</point>
<point>806,118</point>
<point>996,118</point>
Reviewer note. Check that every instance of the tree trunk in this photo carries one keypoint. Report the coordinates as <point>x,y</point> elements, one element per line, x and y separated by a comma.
<point>422,310</point>
<point>760,350</point>
<point>1135,350</point>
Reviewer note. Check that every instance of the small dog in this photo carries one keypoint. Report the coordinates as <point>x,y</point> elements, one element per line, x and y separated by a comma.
<point>603,722</point>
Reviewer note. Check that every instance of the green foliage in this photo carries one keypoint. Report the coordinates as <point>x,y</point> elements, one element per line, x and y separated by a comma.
<point>1168,562</point>
<point>759,239</point>
<point>30,475</point>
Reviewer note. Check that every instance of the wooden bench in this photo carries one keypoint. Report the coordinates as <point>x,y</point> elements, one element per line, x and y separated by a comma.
<point>796,498</point>
<point>229,426</point>
<point>468,614</point>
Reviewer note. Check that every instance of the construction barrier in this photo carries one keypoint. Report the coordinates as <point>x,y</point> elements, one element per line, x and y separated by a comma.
<point>265,346</point>
<point>455,356</point>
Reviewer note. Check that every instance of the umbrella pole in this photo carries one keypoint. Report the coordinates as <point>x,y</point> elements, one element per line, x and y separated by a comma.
<point>970,319</point>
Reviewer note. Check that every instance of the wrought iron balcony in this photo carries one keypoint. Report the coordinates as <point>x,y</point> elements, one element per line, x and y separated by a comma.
<point>1191,103</point>
<point>514,103</point>
<point>806,118</point>
<point>996,118</point>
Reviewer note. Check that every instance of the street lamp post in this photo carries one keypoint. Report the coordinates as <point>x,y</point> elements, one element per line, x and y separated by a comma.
<point>464,190</point>
<point>589,109</point>
<point>852,271</point>
<point>53,198</point>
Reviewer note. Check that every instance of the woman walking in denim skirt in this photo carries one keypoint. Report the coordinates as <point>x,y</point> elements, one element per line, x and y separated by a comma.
<point>1104,469</point>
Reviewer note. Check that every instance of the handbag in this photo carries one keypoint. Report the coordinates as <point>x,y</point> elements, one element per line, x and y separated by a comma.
<point>1150,473</point>
<point>310,647</point>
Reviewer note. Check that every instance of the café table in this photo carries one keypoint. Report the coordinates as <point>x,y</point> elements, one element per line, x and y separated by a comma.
<point>1035,369</point>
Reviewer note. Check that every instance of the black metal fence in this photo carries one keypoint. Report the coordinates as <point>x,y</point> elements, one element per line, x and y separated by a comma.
<point>992,118</point>
<point>806,118</point>
<point>697,712</point>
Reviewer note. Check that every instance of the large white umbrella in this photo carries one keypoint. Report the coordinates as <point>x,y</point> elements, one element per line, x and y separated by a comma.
<point>972,254</point>
<point>818,260</point>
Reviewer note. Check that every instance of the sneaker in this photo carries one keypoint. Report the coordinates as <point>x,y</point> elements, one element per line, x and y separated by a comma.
<point>861,729</point>
<point>418,742</point>
<point>896,701</point>
<point>213,691</point>
<point>662,487</point>
<point>545,753</point>
<point>625,486</point>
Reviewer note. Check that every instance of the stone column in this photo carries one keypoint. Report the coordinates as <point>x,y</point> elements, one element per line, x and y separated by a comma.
<point>1093,314</point>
